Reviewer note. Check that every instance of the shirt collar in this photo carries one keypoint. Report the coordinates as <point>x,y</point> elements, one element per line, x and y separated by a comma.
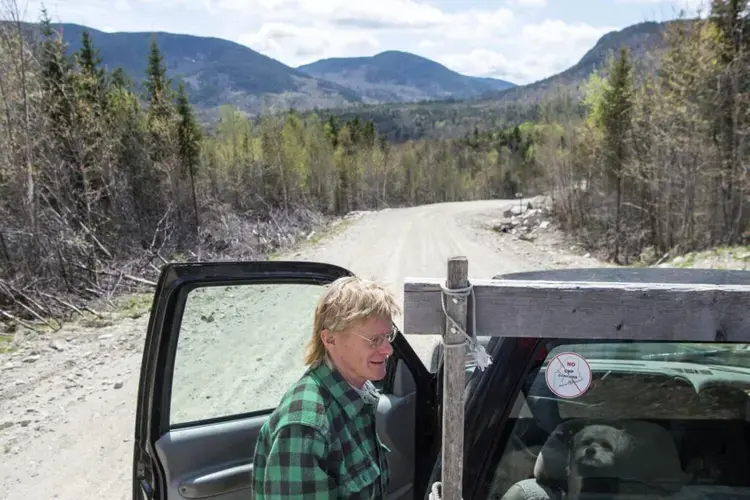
<point>351,399</point>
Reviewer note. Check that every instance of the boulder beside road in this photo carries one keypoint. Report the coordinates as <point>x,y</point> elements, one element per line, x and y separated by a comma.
<point>524,221</point>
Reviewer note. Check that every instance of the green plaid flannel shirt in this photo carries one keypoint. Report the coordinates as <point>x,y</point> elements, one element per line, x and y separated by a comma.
<point>321,443</point>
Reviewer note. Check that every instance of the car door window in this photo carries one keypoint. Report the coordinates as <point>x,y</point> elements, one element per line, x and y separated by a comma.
<point>240,347</point>
<point>673,419</point>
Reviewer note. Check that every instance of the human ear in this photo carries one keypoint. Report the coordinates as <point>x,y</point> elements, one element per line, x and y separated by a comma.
<point>327,337</point>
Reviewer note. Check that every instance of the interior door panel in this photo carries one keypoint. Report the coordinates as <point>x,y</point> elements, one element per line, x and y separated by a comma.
<point>215,460</point>
<point>210,460</point>
<point>395,425</point>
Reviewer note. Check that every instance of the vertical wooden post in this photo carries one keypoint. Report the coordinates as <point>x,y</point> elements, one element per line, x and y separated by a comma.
<point>454,381</point>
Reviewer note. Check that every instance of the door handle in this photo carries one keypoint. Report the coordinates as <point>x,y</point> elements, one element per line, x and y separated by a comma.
<point>217,482</point>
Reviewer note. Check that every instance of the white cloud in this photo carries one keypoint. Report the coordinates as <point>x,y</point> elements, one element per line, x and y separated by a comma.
<point>537,51</point>
<point>478,62</point>
<point>380,14</point>
<point>528,3</point>
<point>478,25</point>
<point>308,43</point>
<point>691,7</point>
<point>367,15</point>
<point>554,33</point>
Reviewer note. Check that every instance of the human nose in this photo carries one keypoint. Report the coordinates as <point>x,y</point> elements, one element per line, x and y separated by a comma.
<point>386,348</point>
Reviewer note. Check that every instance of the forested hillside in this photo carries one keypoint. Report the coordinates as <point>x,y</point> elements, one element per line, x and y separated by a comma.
<point>214,71</point>
<point>552,98</point>
<point>395,76</point>
<point>217,72</point>
<point>100,184</point>
<point>661,167</point>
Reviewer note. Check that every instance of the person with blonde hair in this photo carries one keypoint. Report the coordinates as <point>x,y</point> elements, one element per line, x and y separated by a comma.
<point>321,442</point>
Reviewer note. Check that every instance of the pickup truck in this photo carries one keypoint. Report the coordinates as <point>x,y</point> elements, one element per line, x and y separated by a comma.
<point>225,340</point>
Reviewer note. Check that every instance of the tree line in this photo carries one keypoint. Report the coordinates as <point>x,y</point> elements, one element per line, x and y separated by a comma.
<point>103,179</point>
<point>661,167</point>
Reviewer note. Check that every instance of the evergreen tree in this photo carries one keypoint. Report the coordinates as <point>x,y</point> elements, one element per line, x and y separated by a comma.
<point>92,117</point>
<point>161,113</point>
<point>89,59</point>
<point>121,79</point>
<point>616,117</point>
<point>189,140</point>
<point>93,76</point>
<point>59,113</point>
<point>157,83</point>
<point>56,73</point>
<point>730,18</point>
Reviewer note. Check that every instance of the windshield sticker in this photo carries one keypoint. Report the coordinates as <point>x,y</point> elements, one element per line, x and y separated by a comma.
<point>568,375</point>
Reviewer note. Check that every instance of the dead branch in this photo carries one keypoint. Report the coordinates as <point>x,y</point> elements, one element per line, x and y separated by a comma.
<point>38,316</point>
<point>99,272</point>
<point>93,311</point>
<point>18,320</point>
<point>61,301</point>
<point>96,240</point>
<point>14,295</point>
<point>114,288</point>
<point>133,278</point>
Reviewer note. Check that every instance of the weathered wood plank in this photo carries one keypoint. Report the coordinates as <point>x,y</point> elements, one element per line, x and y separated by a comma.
<point>454,381</point>
<point>645,311</point>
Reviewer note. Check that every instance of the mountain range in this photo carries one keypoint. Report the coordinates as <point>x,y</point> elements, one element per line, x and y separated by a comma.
<point>395,76</point>
<point>218,71</point>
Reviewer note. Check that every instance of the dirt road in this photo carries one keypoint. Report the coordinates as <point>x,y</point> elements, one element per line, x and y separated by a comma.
<point>67,401</point>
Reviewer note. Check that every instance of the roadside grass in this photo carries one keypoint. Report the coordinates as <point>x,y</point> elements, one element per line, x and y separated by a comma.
<point>129,305</point>
<point>726,257</point>
<point>6,343</point>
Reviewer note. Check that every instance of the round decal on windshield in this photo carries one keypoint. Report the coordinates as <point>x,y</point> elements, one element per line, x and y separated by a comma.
<point>568,375</point>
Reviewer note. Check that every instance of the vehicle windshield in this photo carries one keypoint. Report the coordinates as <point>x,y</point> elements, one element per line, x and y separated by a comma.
<point>634,417</point>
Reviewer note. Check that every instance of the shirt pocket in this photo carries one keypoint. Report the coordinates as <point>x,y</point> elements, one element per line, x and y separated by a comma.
<point>363,481</point>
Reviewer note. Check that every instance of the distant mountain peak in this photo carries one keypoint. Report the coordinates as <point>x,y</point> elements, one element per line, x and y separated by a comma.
<point>398,76</point>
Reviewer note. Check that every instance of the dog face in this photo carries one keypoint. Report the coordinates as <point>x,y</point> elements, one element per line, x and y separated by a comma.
<point>597,448</point>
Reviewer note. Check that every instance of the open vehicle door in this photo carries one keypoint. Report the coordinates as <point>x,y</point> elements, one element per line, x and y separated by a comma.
<point>225,341</point>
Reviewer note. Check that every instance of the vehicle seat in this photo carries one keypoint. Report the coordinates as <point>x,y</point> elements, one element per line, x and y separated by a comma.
<point>653,468</point>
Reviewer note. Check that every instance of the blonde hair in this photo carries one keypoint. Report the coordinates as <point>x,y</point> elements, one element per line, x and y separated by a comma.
<point>347,301</point>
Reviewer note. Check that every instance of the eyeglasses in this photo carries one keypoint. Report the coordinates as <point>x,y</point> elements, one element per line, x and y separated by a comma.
<point>377,341</point>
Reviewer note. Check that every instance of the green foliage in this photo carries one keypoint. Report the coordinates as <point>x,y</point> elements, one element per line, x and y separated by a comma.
<point>593,98</point>
<point>157,83</point>
<point>188,133</point>
<point>108,172</point>
<point>121,79</point>
<point>658,162</point>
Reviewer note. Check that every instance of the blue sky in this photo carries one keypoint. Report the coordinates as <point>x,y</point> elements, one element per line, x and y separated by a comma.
<point>517,40</point>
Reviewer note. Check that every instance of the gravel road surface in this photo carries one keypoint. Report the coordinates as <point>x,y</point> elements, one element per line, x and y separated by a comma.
<point>67,401</point>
